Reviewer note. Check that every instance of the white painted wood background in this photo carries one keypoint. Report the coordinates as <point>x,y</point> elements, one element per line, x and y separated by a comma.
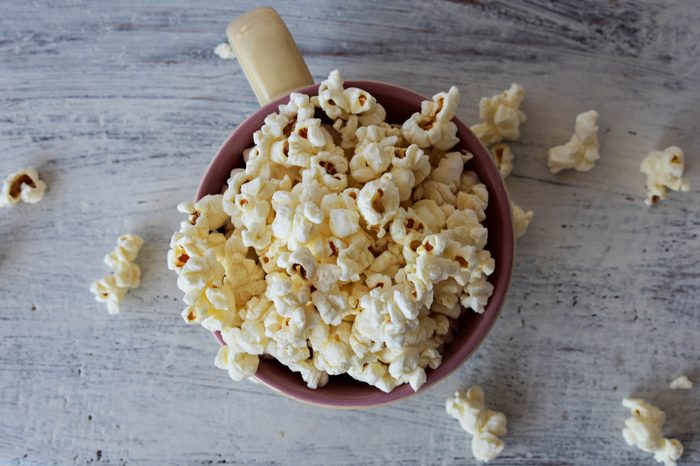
<point>120,106</point>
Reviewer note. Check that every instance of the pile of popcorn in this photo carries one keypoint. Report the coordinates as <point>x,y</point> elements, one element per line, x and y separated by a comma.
<point>125,274</point>
<point>344,249</point>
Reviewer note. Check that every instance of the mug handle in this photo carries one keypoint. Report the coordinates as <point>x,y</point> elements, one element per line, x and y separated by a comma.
<point>268,55</point>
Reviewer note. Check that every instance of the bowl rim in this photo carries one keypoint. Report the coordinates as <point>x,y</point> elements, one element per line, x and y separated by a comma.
<point>487,320</point>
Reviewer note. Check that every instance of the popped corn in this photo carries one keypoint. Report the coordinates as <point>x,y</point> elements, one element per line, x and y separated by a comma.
<point>582,150</point>
<point>24,185</point>
<point>644,431</point>
<point>378,202</point>
<point>485,425</point>
<point>224,51</point>
<point>501,116</point>
<point>339,249</point>
<point>432,126</point>
<point>681,383</point>
<point>521,219</point>
<point>106,291</point>
<point>338,102</point>
<point>664,171</point>
<point>125,274</point>
<point>503,157</point>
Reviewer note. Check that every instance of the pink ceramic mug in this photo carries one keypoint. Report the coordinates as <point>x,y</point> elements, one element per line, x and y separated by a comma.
<point>262,30</point>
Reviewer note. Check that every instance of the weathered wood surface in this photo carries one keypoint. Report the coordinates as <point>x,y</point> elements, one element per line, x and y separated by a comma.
<point>120,105</point>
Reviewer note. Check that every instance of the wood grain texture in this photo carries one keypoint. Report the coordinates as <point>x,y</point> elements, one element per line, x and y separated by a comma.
<point>121,104</point>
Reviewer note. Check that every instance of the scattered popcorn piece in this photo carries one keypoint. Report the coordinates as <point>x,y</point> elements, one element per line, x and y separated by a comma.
<point>485,425</point>
<point>107,291</point>
<point>582,150</point>
<point>502,119</point>
<point>24,185</point>
<point>224,51</point>
<point>503,157</point>
<point>125,274</point>
<point>127,249</point>
<point>337,249</point>
<point>644,431</point>
<point>501,116</point>
<point>664,170</point>
<point>521,219</point>
<point>681,383</point>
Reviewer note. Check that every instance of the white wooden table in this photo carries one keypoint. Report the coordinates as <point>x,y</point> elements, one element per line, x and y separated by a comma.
<point>120,105</point>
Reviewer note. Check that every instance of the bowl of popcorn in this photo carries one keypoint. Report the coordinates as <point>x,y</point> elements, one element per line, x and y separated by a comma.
<point>351,242</point>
